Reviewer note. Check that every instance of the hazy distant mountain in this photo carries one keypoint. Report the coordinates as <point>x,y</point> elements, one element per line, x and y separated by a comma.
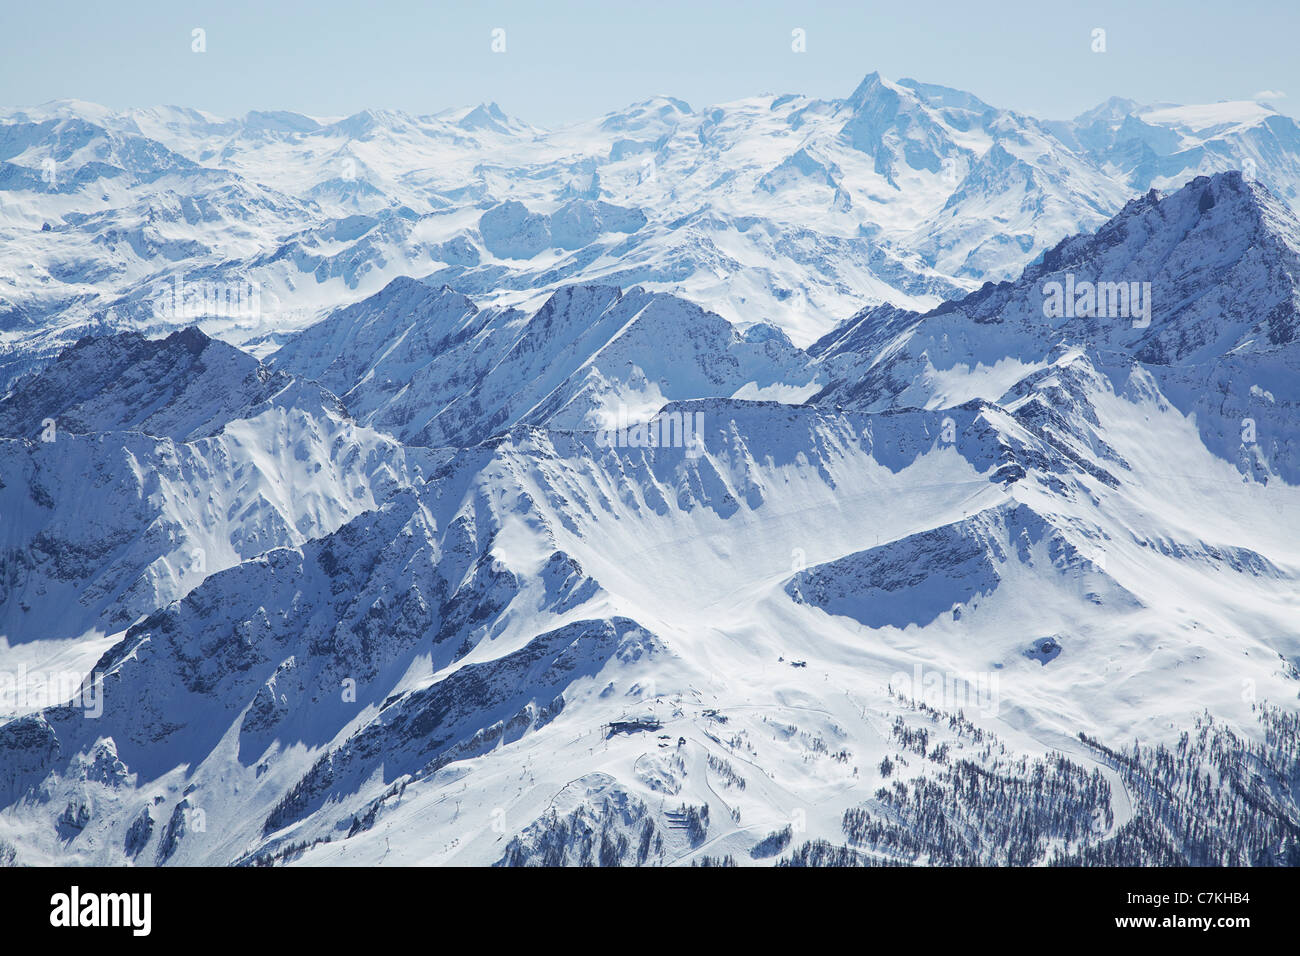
<point>777,209</point>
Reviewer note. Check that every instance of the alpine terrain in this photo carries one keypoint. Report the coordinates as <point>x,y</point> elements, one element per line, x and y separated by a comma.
<point>896,479</point>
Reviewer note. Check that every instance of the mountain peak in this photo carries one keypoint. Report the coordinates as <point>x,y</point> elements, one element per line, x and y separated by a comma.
<point>364,123</point>
<point>1244,206</point>
<point>1193,276</point>
<point>1114,109</point>
<point>485,116</point>
<point>872,88</point>
<point>279,121</point>
<point>182,386</point>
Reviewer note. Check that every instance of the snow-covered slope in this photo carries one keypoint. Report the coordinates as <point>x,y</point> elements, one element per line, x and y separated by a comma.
<point>432,369</point>
<point>546,613</point>
<point>956,558</point>
<point>137,468</point>
<point>183,386</point>
<point>1215,268</point>
<point>1163,146</point>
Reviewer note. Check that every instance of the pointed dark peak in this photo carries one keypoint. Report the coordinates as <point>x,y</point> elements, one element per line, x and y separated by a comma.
<point>1163,263</point>
<point>192,339</point>
<point>1247,206</point>
<point>593,298</point>
<point>180,386</point>
<point>123,348</point>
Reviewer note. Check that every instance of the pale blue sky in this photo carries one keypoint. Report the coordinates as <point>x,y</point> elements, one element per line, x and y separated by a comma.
<point>575,59</point>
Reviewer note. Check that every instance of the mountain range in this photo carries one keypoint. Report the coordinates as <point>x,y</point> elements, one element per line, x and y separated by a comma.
<point>878,481</point>
<point>778,210</point>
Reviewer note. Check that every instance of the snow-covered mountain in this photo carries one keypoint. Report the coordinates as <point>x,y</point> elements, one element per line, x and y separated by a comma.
<point>133,469</point>
<point>1195,294</point>
<point>780,210</point>
<point>429,367</point>
<point>609,578</point>
<point>1163,145</point>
